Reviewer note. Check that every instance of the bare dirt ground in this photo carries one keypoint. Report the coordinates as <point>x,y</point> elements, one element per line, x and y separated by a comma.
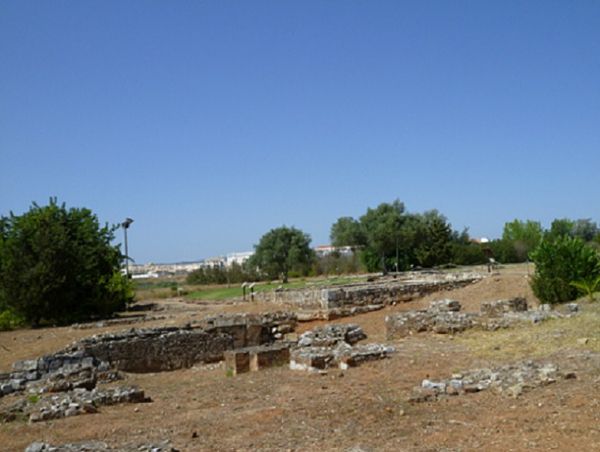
<point>364,408</point>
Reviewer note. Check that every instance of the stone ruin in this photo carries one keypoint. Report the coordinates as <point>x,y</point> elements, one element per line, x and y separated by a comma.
<point>348,300</point>
<point>318,349</point>
<point>511,380</point>
<point>333,346</point>
<point>65,383</point>
<point>444,317</point>
<point>100,357</point>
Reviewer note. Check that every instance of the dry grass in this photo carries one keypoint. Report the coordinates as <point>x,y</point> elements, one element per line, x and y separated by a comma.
<point>539,340</point>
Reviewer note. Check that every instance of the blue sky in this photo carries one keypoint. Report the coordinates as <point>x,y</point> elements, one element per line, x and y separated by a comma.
<point>211,122</point>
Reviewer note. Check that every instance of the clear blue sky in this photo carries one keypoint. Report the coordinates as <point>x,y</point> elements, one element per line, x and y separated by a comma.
<point>211,122</point>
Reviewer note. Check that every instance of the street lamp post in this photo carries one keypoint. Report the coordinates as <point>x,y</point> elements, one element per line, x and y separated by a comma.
<point>125,226</point>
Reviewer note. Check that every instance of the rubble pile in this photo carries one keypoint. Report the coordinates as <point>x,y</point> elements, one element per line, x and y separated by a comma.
<point>512,380</point>
<point>334,346</point>
<point>444,317</point>
<point>71,403</point>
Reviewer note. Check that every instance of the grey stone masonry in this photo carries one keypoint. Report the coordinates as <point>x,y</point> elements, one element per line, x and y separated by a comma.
<point>511,380</point>
<point>157,349</point>
<point>379,293</point>
<point>335,346</point>
<point>252,359</point>
<point>498,308</point>
<point>443,317</point>
<point>250,330</point>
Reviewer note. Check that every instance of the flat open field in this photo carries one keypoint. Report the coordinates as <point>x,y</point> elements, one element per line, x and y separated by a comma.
<point>360,409</point>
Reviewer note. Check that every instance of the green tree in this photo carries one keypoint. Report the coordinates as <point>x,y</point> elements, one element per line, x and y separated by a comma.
<point>347,231</point>
<point>560,262</point>
<point>382,229</point>
<point>282,250</point>
<point>585,229</point>
<point>58,266</point>
<point>523,237</point>
<point>465,251</point>
<point>434,247</point>
<point>560,227</point>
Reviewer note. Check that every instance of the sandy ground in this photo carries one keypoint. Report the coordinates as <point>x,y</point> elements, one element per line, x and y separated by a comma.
<point>363,408</point>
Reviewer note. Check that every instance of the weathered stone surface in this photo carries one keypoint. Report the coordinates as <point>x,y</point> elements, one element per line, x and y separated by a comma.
<point>443,317</point>
<point>158,349</point>
<point>382,292</point>
<point>256,358</point>
<point>71,403</point>
<point>237,361</point>
<point>100,446</point>
<point>269,356</point>
<point>445,305</point>
<point>438,321</point>
<point>312,358</point>
<point>498,308</point>
<point>343,356</point>
<point>330,335</point>
<point>250,330</point>
<point>363,353</point>
<point>512,380</point>
<point>333,346</point>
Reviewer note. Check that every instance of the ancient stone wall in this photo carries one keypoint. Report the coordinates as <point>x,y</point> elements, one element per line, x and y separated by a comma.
<point>158,349</point>
<point>381,293</point>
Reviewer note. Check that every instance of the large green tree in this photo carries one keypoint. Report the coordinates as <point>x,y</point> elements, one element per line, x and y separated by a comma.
<point>347,231</point>
<point>282,250</point>
<point>58,265</point>
<point>520,238</point>
<point>382,227</point>
<point>435,242</point>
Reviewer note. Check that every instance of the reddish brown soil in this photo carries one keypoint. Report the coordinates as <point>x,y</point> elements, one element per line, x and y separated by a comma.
<point>362,408</point>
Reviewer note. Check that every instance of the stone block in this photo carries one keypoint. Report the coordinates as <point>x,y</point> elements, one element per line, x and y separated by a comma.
<point>269,356</point>
<point>446,305</point>
<point>498,308</point>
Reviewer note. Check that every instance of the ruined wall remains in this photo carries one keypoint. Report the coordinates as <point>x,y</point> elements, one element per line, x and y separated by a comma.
<point>157,349</point>
<point>146,350</point>
<point>375,294</point>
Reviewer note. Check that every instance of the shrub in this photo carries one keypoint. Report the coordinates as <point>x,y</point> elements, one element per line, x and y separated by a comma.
<point>58,266</point>
<point>9,320</point>
<point>557,264</point>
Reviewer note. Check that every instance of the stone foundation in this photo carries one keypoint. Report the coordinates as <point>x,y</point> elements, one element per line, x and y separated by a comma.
<point>334,346</point>
<point>371,295</point>
<point>252,359</point>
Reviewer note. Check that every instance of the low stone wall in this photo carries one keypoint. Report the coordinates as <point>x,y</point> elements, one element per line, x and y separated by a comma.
<point>380,293</point>
<point>145,350</point>
<point>249,330</point>
<point>511,380</point>
<point>443,317</point>
<point>157,349</point>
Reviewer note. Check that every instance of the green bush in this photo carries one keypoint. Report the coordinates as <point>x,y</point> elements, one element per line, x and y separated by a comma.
<point>9,320</point>
<point>57,265</point>
<point>559,262</point>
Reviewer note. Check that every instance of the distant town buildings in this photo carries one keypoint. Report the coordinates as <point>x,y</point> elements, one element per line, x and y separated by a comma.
<point>152,270</point>
<point>326,250</point>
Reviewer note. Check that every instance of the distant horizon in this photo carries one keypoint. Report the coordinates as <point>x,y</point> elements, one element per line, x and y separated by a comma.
<point>210,123</point>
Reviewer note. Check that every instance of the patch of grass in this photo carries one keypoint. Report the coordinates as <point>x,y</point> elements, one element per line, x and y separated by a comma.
<point>33,398</point>
<point>224,293</point>
<point>539,340</point>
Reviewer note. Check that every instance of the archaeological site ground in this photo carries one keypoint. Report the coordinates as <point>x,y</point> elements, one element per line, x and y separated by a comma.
<point>458,360</point>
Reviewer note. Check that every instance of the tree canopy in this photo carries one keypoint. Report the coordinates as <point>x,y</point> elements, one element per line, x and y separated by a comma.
<point>391,238</point>
<point>58,265</point>
<point>282,250</point>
